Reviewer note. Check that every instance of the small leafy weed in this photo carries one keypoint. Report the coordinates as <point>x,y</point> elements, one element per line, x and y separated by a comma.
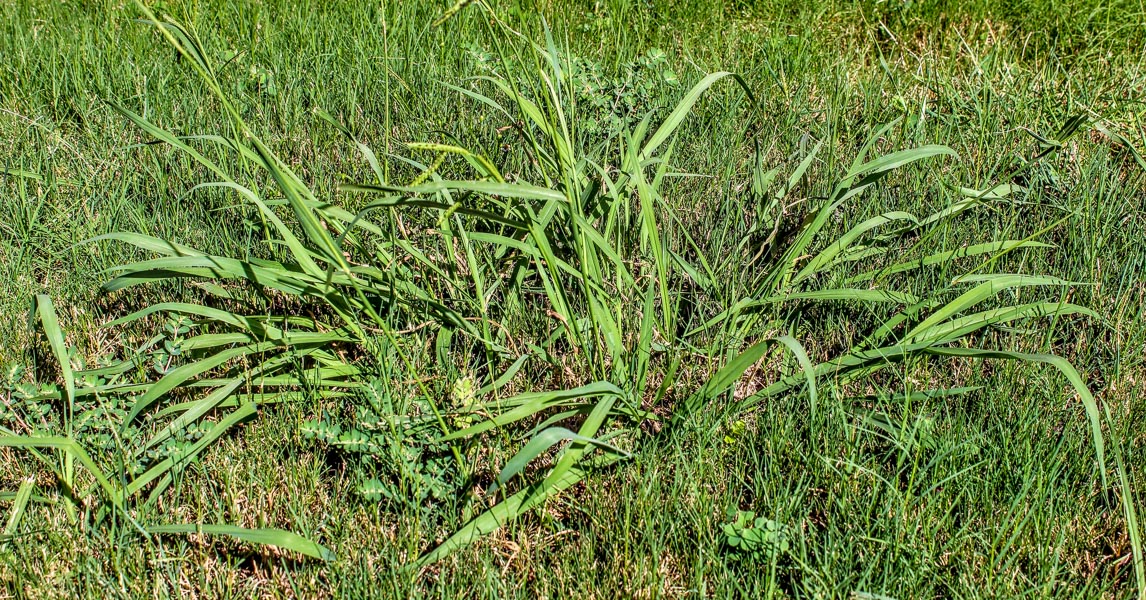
<point>755,539</point>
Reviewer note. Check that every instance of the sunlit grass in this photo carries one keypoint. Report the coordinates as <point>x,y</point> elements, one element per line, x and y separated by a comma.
<point>586,341</point>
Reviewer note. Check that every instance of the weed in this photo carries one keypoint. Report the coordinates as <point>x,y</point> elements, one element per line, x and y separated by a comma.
<point>756,539</point>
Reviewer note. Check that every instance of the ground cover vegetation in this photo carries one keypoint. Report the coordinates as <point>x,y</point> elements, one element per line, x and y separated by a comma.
<point>606,299</point>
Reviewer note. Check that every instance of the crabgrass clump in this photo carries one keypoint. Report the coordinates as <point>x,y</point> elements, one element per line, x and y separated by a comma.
<point>579,237</point>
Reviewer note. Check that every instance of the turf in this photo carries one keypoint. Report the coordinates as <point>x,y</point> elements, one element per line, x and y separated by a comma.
<point>992,493</point>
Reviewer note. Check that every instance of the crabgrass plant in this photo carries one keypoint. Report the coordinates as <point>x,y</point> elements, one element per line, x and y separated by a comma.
<point>567,266</point>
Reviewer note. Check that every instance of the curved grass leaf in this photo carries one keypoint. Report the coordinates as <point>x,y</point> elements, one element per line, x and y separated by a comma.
<point>529,404</point>
<point>988,289</point>
<point>1088,402</point>
<point>72,448</point>
<point>684,107</point>
<point>164,467</point>
<point>19,505</point>
<point>728,375</point>
<point>540,443</point>
<point>948,256</point>
<point>46,311</point>
<point>264,537</point>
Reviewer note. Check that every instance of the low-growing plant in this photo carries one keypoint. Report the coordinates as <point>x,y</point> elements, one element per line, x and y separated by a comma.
<point>608,105</point>
<point>756,539</point>
<point>392,444</point>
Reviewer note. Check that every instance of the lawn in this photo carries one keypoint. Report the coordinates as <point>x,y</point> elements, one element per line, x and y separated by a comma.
<point>572,299</point>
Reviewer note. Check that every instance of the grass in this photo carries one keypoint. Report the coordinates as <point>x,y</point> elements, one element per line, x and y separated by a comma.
<point>699,295</point>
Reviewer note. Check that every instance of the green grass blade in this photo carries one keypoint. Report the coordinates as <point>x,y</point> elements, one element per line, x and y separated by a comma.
<point>1088,402</point>
<point>71,448</point>
<point>164,467</point>
<point>529,404</point>
<point>263,536</point>
<point>684,107</point>
<point>540,443</point>
<point>499,515</point>
<point>958,328</point>
<point>947,256</point>
<point>988,289</point>
<point>523,191</point>
<point>46,311</point>
<point>827,255</point>
<point>890,162</point>
<point>367,153</point>
<point>147,242</point>
<point>19,506</point>
<point>181,374</point>
<point>847,294</point>
<point>728,375</point>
